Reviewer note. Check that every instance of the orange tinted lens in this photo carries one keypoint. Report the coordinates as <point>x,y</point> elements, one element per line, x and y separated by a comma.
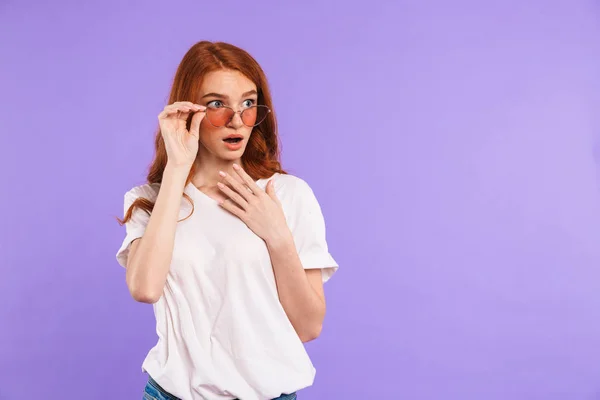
<point>249,116</point>
<point>219,116</point>
<point>254,115</point>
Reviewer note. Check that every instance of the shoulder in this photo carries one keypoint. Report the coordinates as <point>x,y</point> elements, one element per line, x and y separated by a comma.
<point>294,192</point>
<point>291,186</point>
<point>299,203</point>
<point>147,191</point>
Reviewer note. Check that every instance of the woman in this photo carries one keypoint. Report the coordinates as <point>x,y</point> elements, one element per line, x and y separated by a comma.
<point>228,248</point>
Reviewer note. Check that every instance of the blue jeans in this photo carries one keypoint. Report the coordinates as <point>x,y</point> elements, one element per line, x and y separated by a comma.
<point>153,391</point>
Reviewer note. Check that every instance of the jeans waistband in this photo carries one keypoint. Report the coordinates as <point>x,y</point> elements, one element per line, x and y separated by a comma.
<point>162,391</point>
<point>169,396</point>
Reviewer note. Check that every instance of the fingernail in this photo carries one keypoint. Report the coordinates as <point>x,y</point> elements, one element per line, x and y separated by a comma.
<point>235,166</point>
<point>222,173</point>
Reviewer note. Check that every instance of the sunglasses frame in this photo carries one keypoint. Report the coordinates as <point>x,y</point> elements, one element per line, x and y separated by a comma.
<point>257,106</point>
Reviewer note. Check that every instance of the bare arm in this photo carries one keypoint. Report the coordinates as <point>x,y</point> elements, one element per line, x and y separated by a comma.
<point>300,291</point>
<point>150,256</point>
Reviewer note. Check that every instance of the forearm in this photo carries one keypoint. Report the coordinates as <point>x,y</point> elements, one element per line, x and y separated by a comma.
<point>303,305</point>
<point>149,265</point>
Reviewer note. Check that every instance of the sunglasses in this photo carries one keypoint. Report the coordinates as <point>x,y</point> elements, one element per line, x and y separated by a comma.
<point>251,116</point>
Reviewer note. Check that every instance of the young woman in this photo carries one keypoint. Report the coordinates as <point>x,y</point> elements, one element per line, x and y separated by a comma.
<point>228,248</point>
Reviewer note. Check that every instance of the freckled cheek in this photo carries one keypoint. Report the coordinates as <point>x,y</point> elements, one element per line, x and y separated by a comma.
<point>247,132</point>
<point>208,132</point>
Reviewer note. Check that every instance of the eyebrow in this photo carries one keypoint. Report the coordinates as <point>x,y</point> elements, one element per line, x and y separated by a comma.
<point>222,96</point>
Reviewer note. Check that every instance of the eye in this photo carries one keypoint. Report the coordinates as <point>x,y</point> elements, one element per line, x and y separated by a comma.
<point>214,104</point>
<point>249,103</point>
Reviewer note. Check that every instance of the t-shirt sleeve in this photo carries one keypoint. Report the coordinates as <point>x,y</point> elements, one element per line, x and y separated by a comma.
<point>308,229</point>
<point>135,227</point>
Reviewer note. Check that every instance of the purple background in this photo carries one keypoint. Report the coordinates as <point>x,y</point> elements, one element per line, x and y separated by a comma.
<point>453,147</point>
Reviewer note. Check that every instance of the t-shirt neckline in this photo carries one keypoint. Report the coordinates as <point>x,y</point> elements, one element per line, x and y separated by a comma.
<point>199,193</point>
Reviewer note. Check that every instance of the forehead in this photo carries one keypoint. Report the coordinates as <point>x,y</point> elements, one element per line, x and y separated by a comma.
<point>226,82</point>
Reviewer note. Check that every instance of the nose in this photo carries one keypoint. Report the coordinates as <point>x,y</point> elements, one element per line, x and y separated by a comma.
<point>236,121</point>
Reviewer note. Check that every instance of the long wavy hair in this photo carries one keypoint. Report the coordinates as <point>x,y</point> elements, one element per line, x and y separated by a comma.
<point>261,156</point>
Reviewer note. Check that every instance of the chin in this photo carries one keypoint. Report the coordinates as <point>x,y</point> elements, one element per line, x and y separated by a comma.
<point>232,155</point>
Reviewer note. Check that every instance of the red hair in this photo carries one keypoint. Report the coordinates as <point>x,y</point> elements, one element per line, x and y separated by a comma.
<point>261,157</point>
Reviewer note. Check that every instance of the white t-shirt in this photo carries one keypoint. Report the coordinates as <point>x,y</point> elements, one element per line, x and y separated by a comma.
<point>222,332</point>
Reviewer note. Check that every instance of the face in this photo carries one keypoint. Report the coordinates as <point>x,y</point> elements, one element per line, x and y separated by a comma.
<point>220,90</point>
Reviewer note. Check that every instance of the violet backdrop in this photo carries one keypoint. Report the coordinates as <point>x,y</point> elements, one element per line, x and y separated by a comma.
<point>454,148</point>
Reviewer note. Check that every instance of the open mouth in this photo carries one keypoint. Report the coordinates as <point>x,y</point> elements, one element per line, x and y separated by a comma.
<point>233,140</point>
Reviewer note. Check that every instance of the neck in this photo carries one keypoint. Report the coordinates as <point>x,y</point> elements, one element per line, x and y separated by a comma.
<point>207,170</point>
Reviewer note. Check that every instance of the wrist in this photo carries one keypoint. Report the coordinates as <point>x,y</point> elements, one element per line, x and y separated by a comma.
<point>279,240</point>
<point>177,170</point>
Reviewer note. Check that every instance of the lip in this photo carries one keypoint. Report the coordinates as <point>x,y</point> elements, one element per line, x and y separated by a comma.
<point>234,136</point>
<point>234,146</point>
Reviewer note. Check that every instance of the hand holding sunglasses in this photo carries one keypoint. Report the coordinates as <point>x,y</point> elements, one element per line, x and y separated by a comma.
<point>181,143</point>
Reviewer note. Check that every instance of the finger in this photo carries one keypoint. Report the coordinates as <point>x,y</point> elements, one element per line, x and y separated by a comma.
<point>180,107</point>
<point>238,178</point>
<point>247,179</point>
<point>196,120</point>
<point>184,104</point>
<point>270,189</point>
<point>241,181</point>
<point>179,112</point>
<point>237,186</point>
<point>228,205</point>
<point>176,107</point>
<point>233,196</point>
